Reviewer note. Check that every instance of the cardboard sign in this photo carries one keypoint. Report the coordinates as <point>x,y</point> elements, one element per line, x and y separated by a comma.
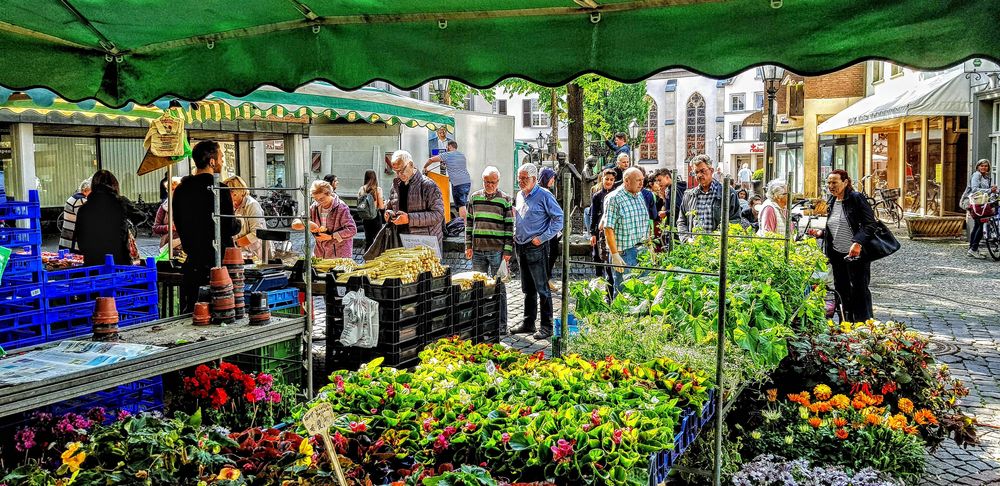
<point>4,259</point>
<point>413,241</point>
<point>318,420</point>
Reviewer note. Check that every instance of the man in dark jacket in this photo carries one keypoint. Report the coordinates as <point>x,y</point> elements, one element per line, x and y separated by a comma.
<point>415,204</point>
<point>701,207</point>
<point>194,204</point>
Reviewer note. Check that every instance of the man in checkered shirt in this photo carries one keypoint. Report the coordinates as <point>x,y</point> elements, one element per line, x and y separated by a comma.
<point>626,223</point>
<point>701,207</point>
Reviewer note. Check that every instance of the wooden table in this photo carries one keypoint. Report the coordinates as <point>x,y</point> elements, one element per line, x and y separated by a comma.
<point>187,346</point>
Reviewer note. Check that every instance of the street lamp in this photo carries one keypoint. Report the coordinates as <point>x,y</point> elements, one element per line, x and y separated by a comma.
<point>772,76</point>
<point>441,86</point>
<point>633,135</point>
<point>718,149</point>
<point>540,140</point>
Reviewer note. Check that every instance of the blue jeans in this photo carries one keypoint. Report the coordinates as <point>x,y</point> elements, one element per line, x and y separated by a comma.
<point>631,257</point>
<point>533,261</point>
<point>460,195</point>
<point>489,263</point>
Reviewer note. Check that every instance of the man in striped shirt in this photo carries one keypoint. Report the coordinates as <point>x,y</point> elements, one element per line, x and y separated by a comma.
<point>489,232</point>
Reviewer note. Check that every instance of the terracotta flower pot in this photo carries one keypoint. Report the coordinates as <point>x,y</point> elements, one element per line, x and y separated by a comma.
<point>233,256</point>
<point>201,313</point>
<point>220,277</point>
<point>105,311</point>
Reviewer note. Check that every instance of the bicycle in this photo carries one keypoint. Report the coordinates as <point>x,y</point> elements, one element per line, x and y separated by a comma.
<point>885,204</point>
<point>991,226</point>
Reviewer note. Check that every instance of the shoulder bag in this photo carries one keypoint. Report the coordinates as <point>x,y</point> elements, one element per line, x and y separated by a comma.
<point>882,243</point>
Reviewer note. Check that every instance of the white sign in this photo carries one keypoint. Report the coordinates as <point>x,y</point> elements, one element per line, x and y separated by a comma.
<point>413,241</point>
<point>318,421</point>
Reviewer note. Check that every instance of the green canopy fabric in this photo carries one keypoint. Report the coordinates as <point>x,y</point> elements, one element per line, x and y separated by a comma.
<point>133,50</point>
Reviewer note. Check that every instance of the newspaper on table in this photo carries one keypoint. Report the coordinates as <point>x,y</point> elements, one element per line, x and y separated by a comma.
<point>66,358</point>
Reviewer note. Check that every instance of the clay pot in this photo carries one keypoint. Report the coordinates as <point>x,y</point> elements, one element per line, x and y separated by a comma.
<point>105,311</point>
<point>233,256</point>
<point>201,316</point>
<point>220,277</point>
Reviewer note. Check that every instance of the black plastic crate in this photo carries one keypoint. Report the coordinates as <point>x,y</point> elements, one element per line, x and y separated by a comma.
<point>340,357</point>
<point>488,306</point>
<point>466,314</point>
<point>398,310</point>
<point>437,322</point>
<point>438,283</point>
<point>488,324</point>
<point>438,301</point>
<point>461,297</point>
<point>466,334</point>
<point>394,354</point>
<point>493,338</point>
<point>391,288</point>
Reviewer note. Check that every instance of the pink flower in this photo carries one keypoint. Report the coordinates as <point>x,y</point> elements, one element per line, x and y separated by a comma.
<point>265,380</point>
<point>25,439</point>
<point>616,437</point>
<point>259,394</point>
<point>274,397</point>
<point>338,381</point>
<point>595,418</point>
<point>587,427</point>
<point>390,391</point>
<point>123,414</point>
<point>450,431</point>
<point>440,444</point>
<point>428,424</point>
<point>505,437</point>
<point>562,451</point>
<point>357,427</point>
<point>469,427</point>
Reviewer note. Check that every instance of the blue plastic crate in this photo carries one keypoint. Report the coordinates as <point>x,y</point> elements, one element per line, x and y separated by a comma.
<point>282,299</point>
<point>22,329</point>
<point>135,397</point>
<point>23,264</point>
<point>67,312</point>
<point>127,298</point>
<point>20,298</point>
<point>20,236</point>
<point>140,315</point>
<point>573,326</point>
<point>138,275</point>
<point>76,281</point>
<point>20,210</point>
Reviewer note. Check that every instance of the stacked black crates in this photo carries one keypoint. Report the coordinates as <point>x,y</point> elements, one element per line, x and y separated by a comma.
<point>410,315</point>
<point>488,313</point>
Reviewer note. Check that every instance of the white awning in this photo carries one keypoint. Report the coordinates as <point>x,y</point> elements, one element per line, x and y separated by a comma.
<point>946,94</point>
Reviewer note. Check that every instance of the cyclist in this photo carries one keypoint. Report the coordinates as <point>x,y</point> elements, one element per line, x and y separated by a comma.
<point>979,183</point>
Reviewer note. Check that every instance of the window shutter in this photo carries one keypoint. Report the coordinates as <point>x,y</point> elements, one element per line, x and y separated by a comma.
<point>502,107</point>
<point>526,113</point>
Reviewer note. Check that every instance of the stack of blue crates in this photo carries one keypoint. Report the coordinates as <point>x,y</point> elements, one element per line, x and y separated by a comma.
<point>22,310</point>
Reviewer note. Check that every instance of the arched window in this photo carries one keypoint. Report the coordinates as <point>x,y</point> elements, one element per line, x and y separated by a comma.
<point>695,132</point>
<point>650,133</point>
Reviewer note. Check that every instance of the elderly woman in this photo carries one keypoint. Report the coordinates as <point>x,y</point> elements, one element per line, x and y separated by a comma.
<point>980,182</point>
<point>251,216</point>
<point>772,212</point>
<point>163,221</point>
<point>331,221</point>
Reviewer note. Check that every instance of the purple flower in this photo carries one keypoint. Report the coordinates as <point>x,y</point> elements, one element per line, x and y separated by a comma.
<point>259,394</point>
<point>25,439</point>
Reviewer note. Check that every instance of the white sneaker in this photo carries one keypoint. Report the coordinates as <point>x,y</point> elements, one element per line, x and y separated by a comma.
<point>976,254</point>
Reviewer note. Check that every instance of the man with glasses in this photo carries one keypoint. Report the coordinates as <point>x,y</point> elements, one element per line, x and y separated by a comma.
<point>701,207</point>
<point>626,224</point>
<point>415,204</point>
<point>537,218</point>
<point>489,232</point>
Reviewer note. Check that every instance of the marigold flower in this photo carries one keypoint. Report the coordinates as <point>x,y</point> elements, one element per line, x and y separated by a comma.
<point>873,419</point>
<point>924,417</point>
<point>897,421</point>
<point>911,429</point>
<point>841,434</point>
<point>840,401</point>
<point>858,404</point>
<point>905,405</point>
<point>839,422</point>
<point>772,394</point>
<point>822,392</point>
<point>815,422</point>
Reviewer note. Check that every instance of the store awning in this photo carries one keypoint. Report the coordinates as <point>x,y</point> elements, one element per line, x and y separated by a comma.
<point>946,94</point>
<point>754,119</point>
<point>267,103</point>
<point>117,52</point>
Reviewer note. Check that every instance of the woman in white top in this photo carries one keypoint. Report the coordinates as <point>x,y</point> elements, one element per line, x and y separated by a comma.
<point>772,213</point>
<point>251,215</point>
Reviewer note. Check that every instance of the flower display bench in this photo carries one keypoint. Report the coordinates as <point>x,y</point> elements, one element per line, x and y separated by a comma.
<point>935,226</point>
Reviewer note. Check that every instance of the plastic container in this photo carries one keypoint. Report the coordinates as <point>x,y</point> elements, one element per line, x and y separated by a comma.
<point>282,299</point>
<point>438,322</point>
<point>394,354</point>
<point>22,329</point>
<point>20,236</point>
<point>438,283</point>
<point>573,327</point>
<point>282,359</point>
<point>15,299</point>
<point>135,397</point>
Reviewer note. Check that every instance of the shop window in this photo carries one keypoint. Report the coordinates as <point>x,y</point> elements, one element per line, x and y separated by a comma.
<point>695,131</point>
<point>61,163</point>
<point>758,100</point>
<point>878,71</point>
<point>895,71</point>
<point>911,168</point>
<point>648,148</point>
<point>737,102</point>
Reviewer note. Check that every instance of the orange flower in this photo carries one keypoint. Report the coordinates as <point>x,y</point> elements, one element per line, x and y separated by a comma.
<point>910,429</point>
<point>839,422</point>
<point>822,392</point>
<point>840,402</point>
<point>905,405</point>
<point>841,434</point>
<point>897,421</point>
<point>815,422</point>
<point>877,400</point>
<point>858,404</point>
<point>800,398</point>
<point>772,394</point>
<point>873,419</point>
<point>925,417</point>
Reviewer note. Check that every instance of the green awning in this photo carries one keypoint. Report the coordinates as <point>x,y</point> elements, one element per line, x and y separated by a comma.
<point>139,51</point>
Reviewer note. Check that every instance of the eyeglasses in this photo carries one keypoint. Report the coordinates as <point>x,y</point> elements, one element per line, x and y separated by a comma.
<point>524,178</point>
<point>402,170</point>
<point>492,183</point>
<point>703,171</point>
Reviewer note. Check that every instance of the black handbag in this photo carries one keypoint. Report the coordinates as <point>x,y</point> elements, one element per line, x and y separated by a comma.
<point>882,243</point>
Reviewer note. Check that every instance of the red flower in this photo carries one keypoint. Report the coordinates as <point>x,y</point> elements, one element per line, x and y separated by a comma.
<point>340,443</point>
<point>219,398</point>
<point>390,391</point>
<point>616,437</point>
<point>469,427</point>
<point>504,437</point>
<point>562,451</point>
<point>357,427</point>
<point>428,424</point>
<point>450,431</point>
<point>440,444</point>
<point>338,381</point>
<point>595,418</point>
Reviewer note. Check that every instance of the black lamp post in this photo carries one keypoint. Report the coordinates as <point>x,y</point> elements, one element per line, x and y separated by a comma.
<point>772,76</point>
<point>540,140</point>
<point>633,135</point>
<point>718,148</point>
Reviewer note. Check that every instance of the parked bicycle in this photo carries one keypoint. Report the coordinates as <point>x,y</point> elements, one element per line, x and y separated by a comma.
<point>141,215</point>
<point>278,203</point>
<point>885,203</point>
<point>990,217</point>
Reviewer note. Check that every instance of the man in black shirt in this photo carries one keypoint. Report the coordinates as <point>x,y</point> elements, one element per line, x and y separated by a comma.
<point>194,203</point>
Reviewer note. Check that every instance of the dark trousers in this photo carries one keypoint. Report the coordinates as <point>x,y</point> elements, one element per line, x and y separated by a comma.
<point>555,250</point>
<point>851,280</point>
<point>535,284</point>
<point>194,276</point>
<point>599,253</point>
<point>976,234</point>
<point>371,228</point>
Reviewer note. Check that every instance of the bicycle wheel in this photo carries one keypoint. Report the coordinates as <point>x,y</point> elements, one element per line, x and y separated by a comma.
<point>270,222</point>
<point>992,238</point>
<point>895,212</point>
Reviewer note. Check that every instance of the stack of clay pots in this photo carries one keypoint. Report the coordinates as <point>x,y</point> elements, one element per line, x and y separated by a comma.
<point>223,309</point>
<point>202,316</point>
<point>260,315</point>
<point>233,261</point>
<point>105,319</point>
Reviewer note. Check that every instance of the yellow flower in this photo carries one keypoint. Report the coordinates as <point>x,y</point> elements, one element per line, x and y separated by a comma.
<point>840,401</point>
<point>845,327</point>
<point>73,456</point>
<point>905,405</point>
<point>306,450</point>
<point>822,392</point>
<point>772,394</point>
<point>228,474</point>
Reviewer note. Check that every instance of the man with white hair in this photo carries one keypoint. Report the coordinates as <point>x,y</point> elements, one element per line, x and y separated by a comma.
<point>623,162</point>
<point>626,223</point>
<point>415,204</point>
<point>67,227</point>
<point>489,230</point>
<point>701,206</point>
<point>537,218</point>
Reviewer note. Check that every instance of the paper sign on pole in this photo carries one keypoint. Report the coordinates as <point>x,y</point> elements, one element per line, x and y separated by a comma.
<point>413,241</point>
<point>318,420</point>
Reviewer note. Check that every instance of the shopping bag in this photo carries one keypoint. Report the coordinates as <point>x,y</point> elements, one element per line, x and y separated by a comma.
<point>386,239</point>
<point>360,321</point>
<point>503,272</point>
<point>882,244</point>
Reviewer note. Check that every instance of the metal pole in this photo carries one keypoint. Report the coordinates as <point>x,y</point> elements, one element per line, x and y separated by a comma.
<point>670,216</point>
<point>721,339</point>
<point>307,306</point>
<point>558,343</point>
<point>170,214</point>
<point>788,215</point>
<point>218,220</point>
<point>768,168</point>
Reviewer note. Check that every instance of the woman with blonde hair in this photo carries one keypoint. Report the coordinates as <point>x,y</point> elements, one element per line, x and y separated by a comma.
<point>250,214</point>
<point>331,221</point>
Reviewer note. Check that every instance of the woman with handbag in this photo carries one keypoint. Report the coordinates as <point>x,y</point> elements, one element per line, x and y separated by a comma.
<point>850,228</point>
<point>980,184</point>
<point>370,202</point>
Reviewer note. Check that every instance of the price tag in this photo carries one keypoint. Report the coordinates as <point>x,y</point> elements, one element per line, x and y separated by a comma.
<point>318,420</point>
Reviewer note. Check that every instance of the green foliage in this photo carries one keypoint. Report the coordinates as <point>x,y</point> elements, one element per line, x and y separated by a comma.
<point>701,455</point>
<point>464,476</point>
<point>758,175</point>
<point>609,106</point>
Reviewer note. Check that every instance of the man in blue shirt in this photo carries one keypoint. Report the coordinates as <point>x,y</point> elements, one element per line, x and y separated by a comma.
<point>537,218</point>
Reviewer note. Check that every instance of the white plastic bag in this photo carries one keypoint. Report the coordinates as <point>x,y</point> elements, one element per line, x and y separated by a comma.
<point>360,321</point>
<point>503,272</point>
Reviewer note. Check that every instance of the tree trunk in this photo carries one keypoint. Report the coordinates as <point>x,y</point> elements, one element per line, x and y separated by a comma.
<point>554,121</point>
<point>575,152</point>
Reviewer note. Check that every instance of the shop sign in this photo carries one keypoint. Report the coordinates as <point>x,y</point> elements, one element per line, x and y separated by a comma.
<point>756,148</point>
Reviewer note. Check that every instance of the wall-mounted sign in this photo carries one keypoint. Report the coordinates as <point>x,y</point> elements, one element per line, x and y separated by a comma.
<point>756,148</point>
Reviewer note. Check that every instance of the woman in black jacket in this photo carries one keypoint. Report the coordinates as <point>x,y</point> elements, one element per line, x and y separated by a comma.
<point>101,224</point>
<point>849,227</point>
